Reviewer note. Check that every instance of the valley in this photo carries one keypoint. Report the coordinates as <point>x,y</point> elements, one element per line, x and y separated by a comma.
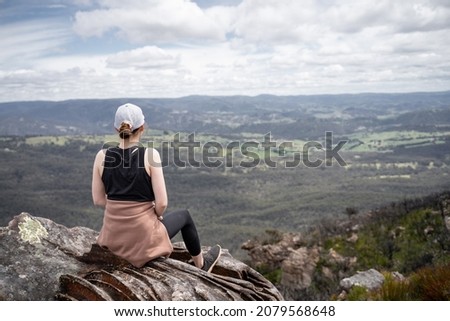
<point>394,148</point>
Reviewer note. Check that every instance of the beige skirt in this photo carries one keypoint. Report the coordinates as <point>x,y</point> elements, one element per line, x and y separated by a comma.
<point>132,231</point>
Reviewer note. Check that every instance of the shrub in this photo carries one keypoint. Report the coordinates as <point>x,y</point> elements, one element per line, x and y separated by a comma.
<point>351,211</point>
<point>271,236</point>
<point>394,290</point>
<point>432,283</point>
<point>273,275</point>
<point>427,284</point>
<point>358,293</point>
<point>369,251</point>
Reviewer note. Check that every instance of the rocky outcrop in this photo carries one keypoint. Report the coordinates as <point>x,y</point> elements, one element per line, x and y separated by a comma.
<point>298,268</point>
<point>42,260</point>
<point>35,252</point>
<point>307,271</point>
<point>274,252</point>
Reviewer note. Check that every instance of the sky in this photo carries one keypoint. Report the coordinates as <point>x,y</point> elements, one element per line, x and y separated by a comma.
<point>61,49</point>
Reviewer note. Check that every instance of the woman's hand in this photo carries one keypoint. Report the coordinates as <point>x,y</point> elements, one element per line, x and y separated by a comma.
<point>160,217</point>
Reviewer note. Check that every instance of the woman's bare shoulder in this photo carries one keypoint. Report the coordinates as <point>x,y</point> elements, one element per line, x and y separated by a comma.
<point>101,153</point>
<point>152,157</point>
<point>100,156</point>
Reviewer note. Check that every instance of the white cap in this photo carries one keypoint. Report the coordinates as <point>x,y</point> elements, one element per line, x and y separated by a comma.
<point>130,114</point>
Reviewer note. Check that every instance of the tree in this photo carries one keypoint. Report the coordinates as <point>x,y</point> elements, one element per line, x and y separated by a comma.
<point>351,211</point>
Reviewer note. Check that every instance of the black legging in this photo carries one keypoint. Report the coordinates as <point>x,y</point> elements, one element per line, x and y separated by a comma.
<point>181,220</point>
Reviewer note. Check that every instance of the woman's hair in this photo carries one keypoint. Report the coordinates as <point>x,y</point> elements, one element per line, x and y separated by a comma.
<point>125,131</point>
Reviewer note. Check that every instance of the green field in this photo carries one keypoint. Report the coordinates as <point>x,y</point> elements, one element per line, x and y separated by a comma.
<point>389,140</point>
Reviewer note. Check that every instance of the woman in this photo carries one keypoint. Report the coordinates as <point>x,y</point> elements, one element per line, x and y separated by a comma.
<point>128,182</point>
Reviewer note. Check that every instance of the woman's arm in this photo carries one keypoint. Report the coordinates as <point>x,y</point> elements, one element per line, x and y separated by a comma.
<point>153,165</point>
<point>98,189</point>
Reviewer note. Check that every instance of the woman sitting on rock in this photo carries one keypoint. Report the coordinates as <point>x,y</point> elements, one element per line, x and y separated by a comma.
<point>128,182</point>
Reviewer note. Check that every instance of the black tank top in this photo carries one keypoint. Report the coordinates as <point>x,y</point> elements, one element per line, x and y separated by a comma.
<point>125,177</point>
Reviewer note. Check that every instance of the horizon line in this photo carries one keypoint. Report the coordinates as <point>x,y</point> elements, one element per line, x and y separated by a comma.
<point>233,95</point>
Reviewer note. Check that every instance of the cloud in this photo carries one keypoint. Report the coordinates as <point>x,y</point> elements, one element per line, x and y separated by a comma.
<point>83,2</point>
<point>25,41</point>
<point>273,21</point>
<point>224,17</point>
<point>304,21</point>
<point>180,47</point>
<point>145,57</point>
<point>152,21</point>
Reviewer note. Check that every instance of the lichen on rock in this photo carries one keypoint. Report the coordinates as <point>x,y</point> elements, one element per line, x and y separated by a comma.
<point>31,231</point>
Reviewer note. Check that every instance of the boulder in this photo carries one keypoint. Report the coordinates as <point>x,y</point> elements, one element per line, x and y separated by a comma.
<point>288,254</point>
<point>298,269</point>
<point>35,252</point>
<point>370,279</point>
<point>273,254</point>
<point>42,260</point>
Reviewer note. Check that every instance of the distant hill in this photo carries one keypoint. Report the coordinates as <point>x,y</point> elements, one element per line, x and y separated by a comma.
<point>284,116</point>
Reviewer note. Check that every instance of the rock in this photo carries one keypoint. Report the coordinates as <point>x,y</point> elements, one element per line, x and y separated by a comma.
<point>42,260</point>
<point>31,262</point>
<point>397,232</point>
<point>298,264</point>
<point>447,222</point>
<point>398,276</point>
<point>342,296</point>
<point>370,279</point>
<point>428,230</point>
<point>353,238</point>
<point>272,255</point>
<point>298,269</point>
<point>327,273</point>
<point>344,261</point>
<point>165,279</point>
